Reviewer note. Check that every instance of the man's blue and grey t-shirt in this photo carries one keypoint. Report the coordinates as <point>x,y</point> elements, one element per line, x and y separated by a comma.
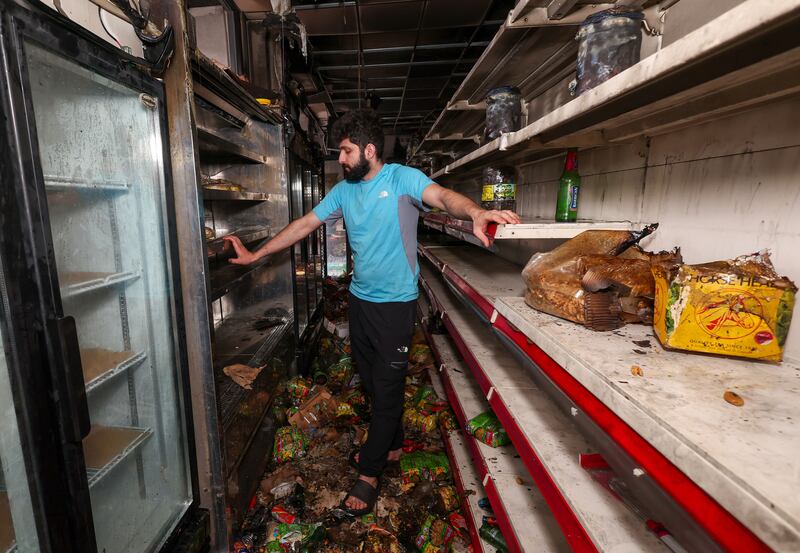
<point>381,216</point>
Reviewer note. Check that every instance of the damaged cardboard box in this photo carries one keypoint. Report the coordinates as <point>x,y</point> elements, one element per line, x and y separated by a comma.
<point>318,410</point>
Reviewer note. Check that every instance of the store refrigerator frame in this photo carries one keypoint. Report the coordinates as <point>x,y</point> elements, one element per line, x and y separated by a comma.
<point>36,333</point>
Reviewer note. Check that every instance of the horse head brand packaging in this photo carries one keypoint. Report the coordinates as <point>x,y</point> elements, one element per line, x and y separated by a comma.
<point>738,307</point>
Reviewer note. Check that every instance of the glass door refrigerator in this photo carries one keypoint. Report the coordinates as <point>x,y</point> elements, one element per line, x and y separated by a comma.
<point>94,447</point>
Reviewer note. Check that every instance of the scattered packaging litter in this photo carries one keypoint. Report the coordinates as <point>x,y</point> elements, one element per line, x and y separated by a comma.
<point>298,502</point>
<point>340,329</point>
<point>299,537</point>
<point>381,541</point>
<point>280,514</point>
<point>459,524</point>
<point>427,400</point>
<point>290,443</point>
<point>487,428</point>
<point>421,353</point>
<point>422,465</point>
<point>410,394</point>
<point>447,421</point>
<point>435,536</point>
<point>283,490</point>
<point>599,279</point>
<point>298,389</point>
<point>411,445</point>
<point>318,410</point>
<point>340,372</point>
<point>447,499</point>
<point>420,420</point>
<point>243,375</point>
<point>345,414</point>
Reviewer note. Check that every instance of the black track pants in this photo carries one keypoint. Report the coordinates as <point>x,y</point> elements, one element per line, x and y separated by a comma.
<point>380,337</point>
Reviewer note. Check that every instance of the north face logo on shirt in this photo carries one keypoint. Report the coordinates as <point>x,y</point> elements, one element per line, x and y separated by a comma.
<point>383,194</point>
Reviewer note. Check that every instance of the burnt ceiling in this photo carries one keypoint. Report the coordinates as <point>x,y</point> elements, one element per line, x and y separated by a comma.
<point>406,57</point>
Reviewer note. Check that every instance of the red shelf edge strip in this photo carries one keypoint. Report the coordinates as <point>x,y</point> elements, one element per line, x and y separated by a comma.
<point>480,302</point>
<point>471,523</point>
<point>710,515</point>
<point>477,460</point>
<point>480,464</point>
<point>459,413</point>
<point>571,527</point>
<point>718,522</point>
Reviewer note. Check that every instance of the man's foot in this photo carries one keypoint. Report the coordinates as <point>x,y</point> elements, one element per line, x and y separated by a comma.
<point>356,504</point>
<point>394,455</point>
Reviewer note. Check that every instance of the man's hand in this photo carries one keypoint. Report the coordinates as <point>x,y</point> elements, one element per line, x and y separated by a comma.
<point>482,218</point>
<point>243,255</point>
<point>461,207</point>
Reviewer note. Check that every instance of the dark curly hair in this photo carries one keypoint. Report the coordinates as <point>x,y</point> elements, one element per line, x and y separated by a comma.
<point>362,127</point>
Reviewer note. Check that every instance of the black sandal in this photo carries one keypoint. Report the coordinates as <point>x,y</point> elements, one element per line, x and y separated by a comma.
<point>362,491</point>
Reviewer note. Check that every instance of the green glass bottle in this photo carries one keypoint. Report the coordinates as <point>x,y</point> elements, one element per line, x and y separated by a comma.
<point>568,187</point>
<point>494,537</point>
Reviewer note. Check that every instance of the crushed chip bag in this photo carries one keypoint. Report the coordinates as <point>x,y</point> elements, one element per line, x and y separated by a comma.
<point>298,389</point>
<point>345,414</point>
<point>486,428</point>
<point>427,400</point>
<point>410,393</point>
<point>447,499</point>
<point>421,353</point>
<point>447,420</point>
<point>422,465</point>
<point>459,524</point>
<point>296,537</point>
<point>290,443</point>
<point>381,541</point>
<point>358,400</point>
<point>340,372</point>
<point>435,536</point>
<point>420,421</point>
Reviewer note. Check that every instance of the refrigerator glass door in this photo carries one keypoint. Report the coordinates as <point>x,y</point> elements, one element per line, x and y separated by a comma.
<point>101,150</point>
<point>17,529</point>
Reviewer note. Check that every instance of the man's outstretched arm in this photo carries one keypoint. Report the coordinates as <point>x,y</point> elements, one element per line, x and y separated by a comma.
<point>290,234</point>
<point>461,207</point>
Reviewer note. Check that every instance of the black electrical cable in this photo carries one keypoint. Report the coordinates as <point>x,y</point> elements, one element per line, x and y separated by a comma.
<point>103,23</point>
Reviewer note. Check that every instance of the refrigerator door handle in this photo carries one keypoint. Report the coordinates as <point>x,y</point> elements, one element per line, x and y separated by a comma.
<point>71,387</point>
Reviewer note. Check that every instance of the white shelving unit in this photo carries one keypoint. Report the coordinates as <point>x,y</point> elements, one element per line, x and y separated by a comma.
<point>469,485</point>
<point>526,521</point>
<point>738,456</point>
<point>729,473</point>
<point>76,283</point>
<point>546,437</point>
<point>96,372</point>
<point>725,66</point>
<point>535,230</point>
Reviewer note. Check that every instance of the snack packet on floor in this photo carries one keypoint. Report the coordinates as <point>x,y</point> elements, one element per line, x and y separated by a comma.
<point>435,536</point>
<point>290,443</point>
<point>419,466</point>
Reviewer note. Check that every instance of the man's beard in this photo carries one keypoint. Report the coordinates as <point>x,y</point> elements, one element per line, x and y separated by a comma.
<point>359,171</point>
